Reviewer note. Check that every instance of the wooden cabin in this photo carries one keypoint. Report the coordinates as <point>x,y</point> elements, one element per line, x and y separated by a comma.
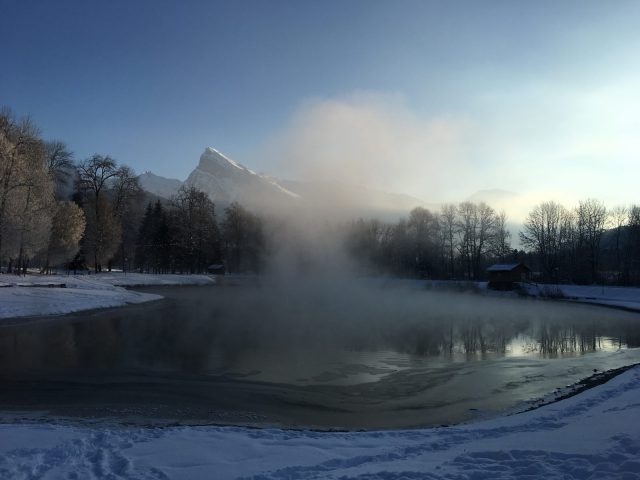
<point>216,269</point>
<point>506,276</point>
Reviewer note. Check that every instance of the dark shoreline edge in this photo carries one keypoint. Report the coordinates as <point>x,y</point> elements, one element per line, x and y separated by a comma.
<point>577,388</point>
<point>560,394</point>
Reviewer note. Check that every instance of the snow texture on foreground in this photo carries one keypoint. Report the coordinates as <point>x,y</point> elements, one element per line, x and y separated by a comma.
<point>29,295</point>
<point>594,435</point>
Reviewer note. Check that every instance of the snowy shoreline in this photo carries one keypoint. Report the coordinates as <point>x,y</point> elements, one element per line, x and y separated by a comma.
<point>36,295</point>
<point>624,298</point>
<point>591,435</point>
<point>43,295</point>
<point>581,433</point>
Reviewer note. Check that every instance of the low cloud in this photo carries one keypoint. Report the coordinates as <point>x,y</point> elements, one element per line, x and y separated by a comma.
<point>541,142</point>
<point>373,140</point>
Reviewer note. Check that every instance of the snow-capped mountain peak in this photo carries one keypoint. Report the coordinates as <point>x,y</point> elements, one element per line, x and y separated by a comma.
<point>212,155</point>
<point>226,180</point>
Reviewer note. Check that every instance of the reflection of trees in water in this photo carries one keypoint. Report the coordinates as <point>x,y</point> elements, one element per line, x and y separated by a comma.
<point>27,348</point>
<point>632,339</point>
<point>93,344</point>
<point>448,336</point>
<point>97,344</point>
<point>483,337</point>
<point>174,341</point>
<point>556,339</point>
<point>494,335</point>
<point>106,343</point>
<point>586,336</point>
<point>174,338</point>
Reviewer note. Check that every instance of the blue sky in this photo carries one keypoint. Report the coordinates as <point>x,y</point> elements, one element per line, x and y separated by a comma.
<point>489,88</point>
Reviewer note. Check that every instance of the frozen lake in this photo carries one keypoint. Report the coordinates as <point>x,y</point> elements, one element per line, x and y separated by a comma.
<point>334,357</point>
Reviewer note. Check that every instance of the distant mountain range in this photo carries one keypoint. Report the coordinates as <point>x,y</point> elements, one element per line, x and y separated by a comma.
<point>225,181</point>
<point>160,186</point>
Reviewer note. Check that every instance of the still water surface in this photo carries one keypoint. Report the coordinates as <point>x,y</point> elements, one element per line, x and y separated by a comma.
<point>367,357</point>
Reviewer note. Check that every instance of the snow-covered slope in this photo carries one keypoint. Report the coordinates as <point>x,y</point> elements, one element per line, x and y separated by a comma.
<point>160,186</point>
<point>226,181</point>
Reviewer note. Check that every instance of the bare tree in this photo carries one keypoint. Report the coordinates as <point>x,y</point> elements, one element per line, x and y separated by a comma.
<point>60,166</point>
<point>103,232</point>
<point>547,231</point>
<point>618,220</point>
<point>423,231</point>
<point>448,216</point>
<point>466,229</point>
<point>476,230</point>
<point>125,187</point>
<point>632,246</point>
<point>591,218</point>
<point>501,247</point>
<point>127,196</point>
<point>95,173</point>
<point>486,234</point>
<point>94,176</point>
<point>399,247</point>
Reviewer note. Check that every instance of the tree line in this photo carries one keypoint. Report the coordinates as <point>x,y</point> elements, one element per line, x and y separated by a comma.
<point>588,244</point>
<point>456,242</point>
<point>92,214</point>
<point>585,245</point>
<point>185,236</point>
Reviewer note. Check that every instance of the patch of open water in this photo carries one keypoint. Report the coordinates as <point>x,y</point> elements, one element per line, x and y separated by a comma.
<point>364,358</point>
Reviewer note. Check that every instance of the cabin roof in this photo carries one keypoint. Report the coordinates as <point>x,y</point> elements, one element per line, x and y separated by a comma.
<point>505,267</point>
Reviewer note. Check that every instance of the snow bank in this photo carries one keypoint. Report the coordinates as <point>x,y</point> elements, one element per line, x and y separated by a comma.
<point>622,297</point>
<point>35,295</point>
<point>592,435</point>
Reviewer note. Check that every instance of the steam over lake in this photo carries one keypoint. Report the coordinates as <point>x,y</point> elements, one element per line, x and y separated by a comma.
<point>327,355</point>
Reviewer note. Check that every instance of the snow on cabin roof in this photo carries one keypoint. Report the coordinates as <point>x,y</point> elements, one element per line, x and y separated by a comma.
<point>504,267</point>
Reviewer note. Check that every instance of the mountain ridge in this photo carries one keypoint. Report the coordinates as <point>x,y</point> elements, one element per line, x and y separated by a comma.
<point>226,180</point>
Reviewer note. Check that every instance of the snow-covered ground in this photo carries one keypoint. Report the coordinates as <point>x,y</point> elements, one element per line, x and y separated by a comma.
<point>624,297</point>
<point>22,296</point>
<point>593,435</point>
<point>621,297</point>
